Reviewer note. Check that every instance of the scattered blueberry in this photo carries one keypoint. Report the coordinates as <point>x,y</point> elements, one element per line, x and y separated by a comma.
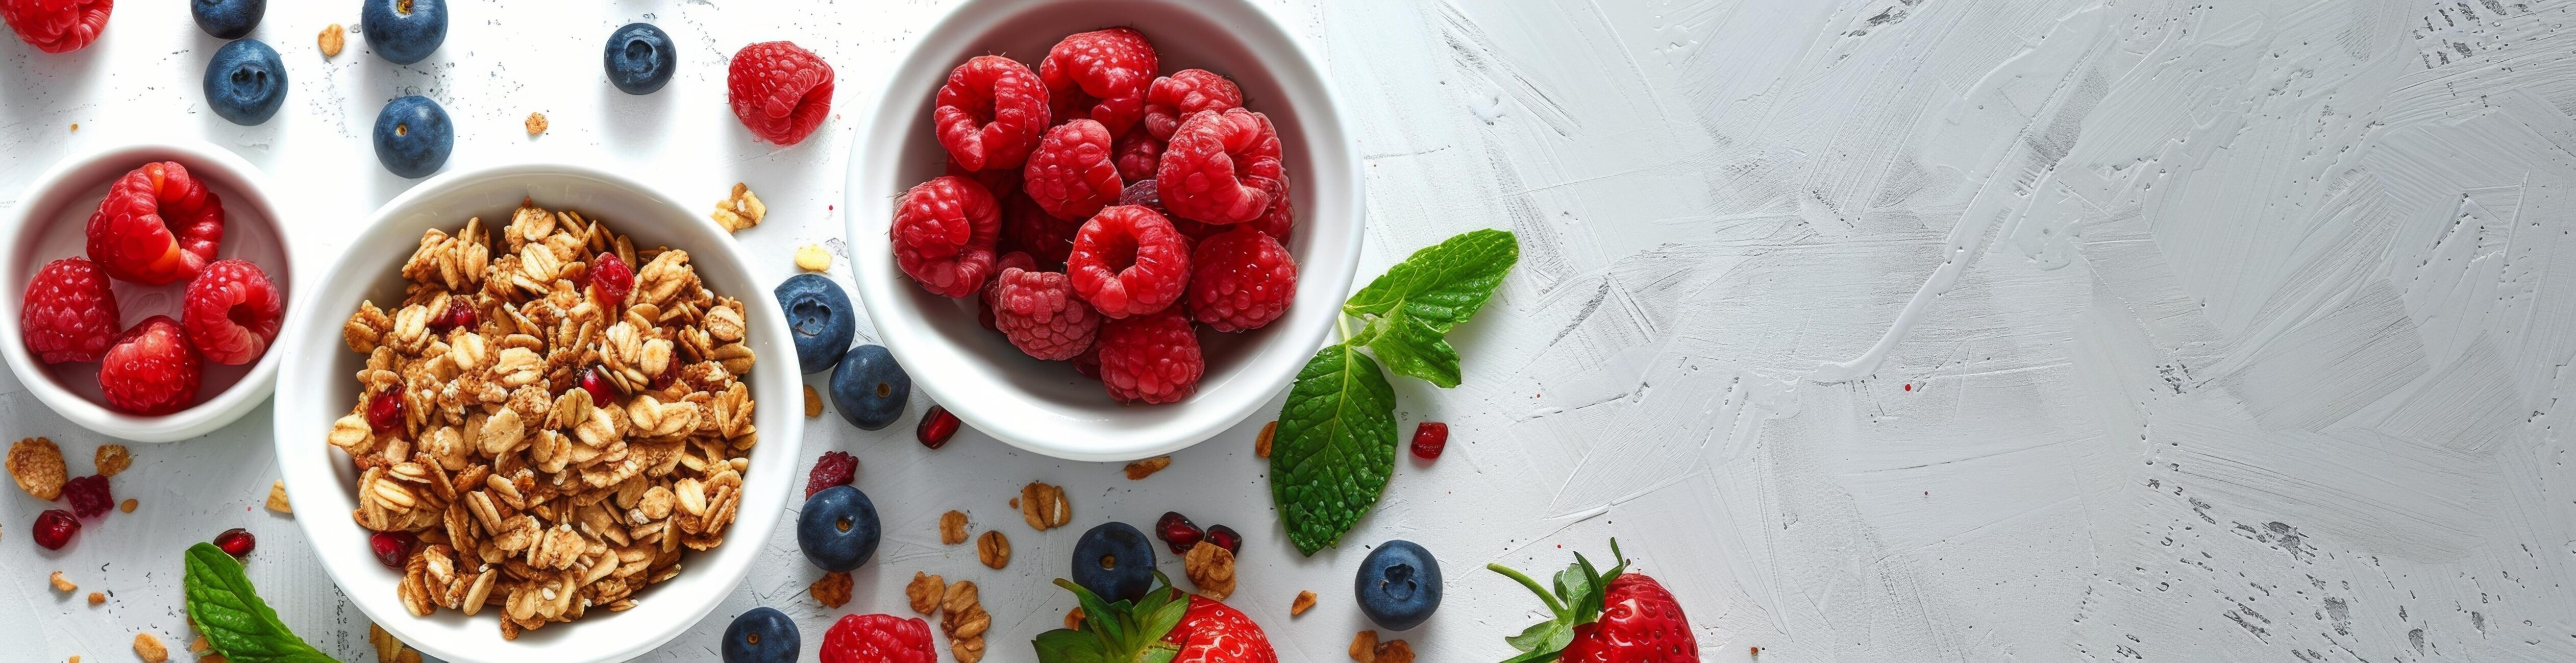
<point>1114,561</point>
<point>227,19</point>
<point>404,31</point>
<point>761,635</point>
<point>413,136</point>
<point>838,529</point>
<point>246,82</point>
<point>640,58</point>
<point>1398,585</point>
<point>820,317</point>
<point>869,388</point>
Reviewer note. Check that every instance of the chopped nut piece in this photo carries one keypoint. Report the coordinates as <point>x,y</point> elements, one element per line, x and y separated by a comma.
<point>150,648</point>
<point>277,498</point>
<point>964,619</point>
<point>1211,568</point>
<point>1073,619</point>
<point>960,594</point>
<point>536,123</point>
<point>952,527</point>
<point>832,590</point>
<point>331,39</point>
<point>1394,651</point>
<point>813,403</point>
<point>1364,647</point>
<point>37,465</point>
<point>1144,468</point>
<point>1305,601</point>
<point>925,592</point>
<point>813,258</point>
<point>993,548</point>
<point>742,210</point>
<point>111,459</point>
<point>128,506</point>
<point>969,650</point>
<point>61,585</point>
<point>96,598</point>
<point>1043,506</point>
<point>1261,445</point>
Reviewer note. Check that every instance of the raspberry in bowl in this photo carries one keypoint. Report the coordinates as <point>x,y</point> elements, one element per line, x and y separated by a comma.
<point>112,256</point>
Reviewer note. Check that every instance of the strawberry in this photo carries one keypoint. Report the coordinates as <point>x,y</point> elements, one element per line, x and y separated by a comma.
<point>1613,617</point>
<point>1162,626</point>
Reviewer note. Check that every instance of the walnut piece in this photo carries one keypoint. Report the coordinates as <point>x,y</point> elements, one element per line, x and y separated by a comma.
<point>1211,568</point>
<point>1138,470</point>
<point>832,590</point>
<point>952,527</point>
<point>111,459</point>
<point>1305,601</point>
<point>37,465</point>
<point>963,619</point>
<point>925,592</point>
<point>331,39</point>
<point>993,549</point>
<point>1366,649</point>
<point>741,210</point>
<point>1044,506</point>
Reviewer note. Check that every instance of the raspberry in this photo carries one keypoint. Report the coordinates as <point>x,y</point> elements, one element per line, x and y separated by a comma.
<point>89,496</point>
<point>156,226</point>
<point>1185,93</point>
<point>1088,363</point>
<point>1429,438</point>
<point>990,113</point>
<point>1040,314</point>
<point>1028,228</point>
<point>392,548</point>
<point>385,413</point>
<point>937,425</point>
<point>236,541</point>
<point>151,370</point>
<point>1150,358</point>
<point>612,278</point>
<point>55,527</point>
<point>57,26</point>
<point>780,91</point>
<point>1136,155</point>
<point>878,639</point>
<point>835,468</point>
<point>984,297</point>
<point>1280,219</point>
<point>1070,175</point>
<point>1101,75</point>
<point>1001,182</point>
<point>69,313</point>
<point>1241,279</point>
<point>1178,532</point>
<point>944,232</point>
<point>1128,261</point>
<point>232,312</point>
<point>1220,167</point>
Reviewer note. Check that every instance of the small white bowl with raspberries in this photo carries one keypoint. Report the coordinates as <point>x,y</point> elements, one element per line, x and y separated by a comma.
<point>1109,230</point>
<point>144,286</point>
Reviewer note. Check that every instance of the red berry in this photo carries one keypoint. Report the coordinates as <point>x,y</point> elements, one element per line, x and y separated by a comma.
<point>1177,531</point>
<point>984,298</point>
<point>835,468</point>
<point>1100,75</point>
<point>89,495</point>
<point>1136,154</point>
<point>156,226</point>
<point>232,312</point>
<point>1040,314</point>
<point>1152,358</point>
<point>1225,537</point>
<point>1241,280</point>
<point>57,26</point>
<point>990,113</point>
<point>1029,229</point>
<point>612,279</point>
<point>55,527</point>
<point>936,427</point>
<point>878,639</point>
<point>1088,363</point>
<point>780,92</point>
<point>1070,175</point>
<point>1128,261</point>
<point>385,413</point>
<point>1429,438</point>
<point>601,393</point>
<point>1142,192</point>
<point>69,313</point>
<point>1220,167</point>
<point>670,374</point>
<point>1001,182</point>
<point>460,313</point>
<point>152,370</point>
<point>1185,93</point>
<point>236,542</point>
<point>944,232</point>
<point>1280,219</point>
<point>392,548</point>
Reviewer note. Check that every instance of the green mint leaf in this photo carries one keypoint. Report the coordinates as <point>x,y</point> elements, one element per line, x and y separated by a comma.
<point>1334,448</point>
<point>1069,646</point>
<point>233,618</point>
<point>1413,348</point>
<point>1439,287</point>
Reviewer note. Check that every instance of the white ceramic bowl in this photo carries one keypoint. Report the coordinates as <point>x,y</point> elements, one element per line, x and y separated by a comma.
<point>320,370</point>
<point>48,224</point>
<point>1044,406</point>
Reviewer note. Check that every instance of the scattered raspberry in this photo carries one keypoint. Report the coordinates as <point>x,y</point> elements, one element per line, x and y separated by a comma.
<point>779,91</point>
<point>990,113</point>
<point>944,233</point>
<point>69,313</point>
<point>1185,93</point>
<point>1152,358</point>
<point>936,427</point>
<point>1220,167</point>
<point>1101,75</point>
<point>1136,155</point>
<point>151,370</point>
<point>1001,182</point>
<point>984,297</point>
<point>232,312</point>
<point>1070,175</point>
<point>236,542</point>
<point>878,639</point>
<point>835,468</point>
<point>57,26</point>
<point>1128,261</point>
<point>1429,438</point>
<point>89,496</point>
<point>55,527</point>
<point>1040,314</point>
<point>1241,279</point>
<point>1225,537</point>
<point>385,413</point>
<point>392,548</point>
<point>156,226</point>
<point>1028,228</point>
<point>1177,531</point>
<point>601,393</point>
<point>612,278</point>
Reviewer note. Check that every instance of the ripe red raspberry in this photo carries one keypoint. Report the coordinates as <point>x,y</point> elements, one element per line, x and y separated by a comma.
<point>835,468</point>
<point>157,225</point>
<point>1087,364</point>
<point>55,527</point>
<point>985,296</point>
<point>878,639</point>
<point>944,232</point>
<point>990,113</point>
<point>89,496</point>
<point>610,276</point>
<point>1185,93</point>
<point>1040,314</point>
<point>69,313</point>
<point>1136,154</point>
<point>57,26</point>
<point>1220,167</point>
<point>1128,261</point>
<point>780,92</point>
<point>1070,175</point>
<point>151,370</point>
<point>1142,192</point>
<point>1429,438</point>
<point>1280,219</point>
<point>1001,182</point>
<point>1101,75</point>
<point>1241,279</point>
<point>232,312</point>
<point>1150,358</point>
<point>1029,229</point>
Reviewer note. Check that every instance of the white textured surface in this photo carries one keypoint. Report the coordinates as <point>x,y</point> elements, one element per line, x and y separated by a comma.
<point>1881,330</point>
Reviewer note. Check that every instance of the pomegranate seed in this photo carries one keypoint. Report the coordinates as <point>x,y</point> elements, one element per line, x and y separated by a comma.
<point>392,547</point>
<point>1429,438</point>
<point>236,542</point>
<point>1225,537</point>
<point>612,278</point>
<point>598,387</point>
<point>459,314</point>
<point>936,427</point>
<point>1177,531</point>
<point>385,413</point>
<point>55,527</point>
<point>670,374</point>
<point>89,495</point>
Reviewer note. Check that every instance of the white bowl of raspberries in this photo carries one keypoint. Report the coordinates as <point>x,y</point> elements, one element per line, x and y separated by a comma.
<point>1104,230</point>
<point>144,286</point>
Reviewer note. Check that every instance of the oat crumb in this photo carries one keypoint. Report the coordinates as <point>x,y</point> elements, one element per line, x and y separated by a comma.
<point>813,258</point>
<point>1138,470</point>
<point>1261,445</point>
<point>741,210</point>
<point>150,648</point>
<point>277,498</point>
<point>536,123</point>
<point>61,585</point>
<point>96,598</point>
<point>331,39</point>
<point>199,645</point>
<point>128,505</point>
<point>813,402</point>
<point>111,459</point>
<point>1305,601</point>
<point>832,590</point>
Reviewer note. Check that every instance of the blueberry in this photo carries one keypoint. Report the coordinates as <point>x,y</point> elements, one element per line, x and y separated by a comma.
<point>640,58</point>
<point>820,317</point>
<point>1114,561</point>
<point>869,388</point>
<point>227,19</point>
<point>404,31</point>
<point>413,136</point>
<point>838,529</point>
<point>760,635</point>
<point>246,82</point>
<point>1398,585</point>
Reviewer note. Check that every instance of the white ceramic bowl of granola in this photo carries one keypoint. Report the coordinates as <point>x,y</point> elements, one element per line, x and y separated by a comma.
<point>320,373</point>
<point>1044,406</point>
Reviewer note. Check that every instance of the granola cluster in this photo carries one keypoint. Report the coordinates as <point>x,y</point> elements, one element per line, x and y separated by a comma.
<point>474,430</point>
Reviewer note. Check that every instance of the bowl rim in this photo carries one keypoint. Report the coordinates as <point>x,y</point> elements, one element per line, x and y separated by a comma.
<point>884,122</point>
<point>225,406</point>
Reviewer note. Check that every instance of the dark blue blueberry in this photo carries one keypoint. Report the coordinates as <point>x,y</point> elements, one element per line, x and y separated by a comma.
<point>404,31</point>
<point>760,635</point>
<point>413,136</point>
<point>1115,561</point>
<point>640,58</point>
<point>246,82</point>
<point>227,19</point>
<point>838,529</point>
<point>869,388</point>
<point>819,317</point>
<point>1398,585</point>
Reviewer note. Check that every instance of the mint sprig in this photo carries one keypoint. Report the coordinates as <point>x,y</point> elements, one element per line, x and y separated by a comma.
<point>1334,450</point>
<point>234,620</point>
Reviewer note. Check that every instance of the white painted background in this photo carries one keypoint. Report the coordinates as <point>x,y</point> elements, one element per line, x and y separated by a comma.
<point>1880,330</point>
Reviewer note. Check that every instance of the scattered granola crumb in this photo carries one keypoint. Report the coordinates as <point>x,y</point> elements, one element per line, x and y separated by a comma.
<point>75,659</point>
<point>952,527</point>
<point>61,585</point>
<point>75,129</point>
<point>199,644</point>
<point>993,549</point>
<point>1364,647</point>
<point>963,618</point>
<point>37,465</point>
<point>128,505</point>
<point>111,459</point>
<point>1073,620</point>
<point>1305,601</point>
<point>1757,651</point>
<point>150,648</point>
<point>1261,445</point>
<point>924,592</point>
<point>832,590</point>
<point>1043,505</point>
<point>277,498</point>
<point>536,123</point>
<point>96,598</point>
<point>813,402</point>
<point>1395,651</point>
<point>742,210</point>
<point>1211,568</point>
<point>331,39</point>
<point>1144,468</point>
<point>813,258</point>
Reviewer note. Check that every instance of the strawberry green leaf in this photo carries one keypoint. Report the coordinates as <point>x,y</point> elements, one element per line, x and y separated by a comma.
<point>1334,448</point>
<point>1439,286</point>
<point>1542,636</point>
<point>234,620</point>
<point>1069,646</point>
